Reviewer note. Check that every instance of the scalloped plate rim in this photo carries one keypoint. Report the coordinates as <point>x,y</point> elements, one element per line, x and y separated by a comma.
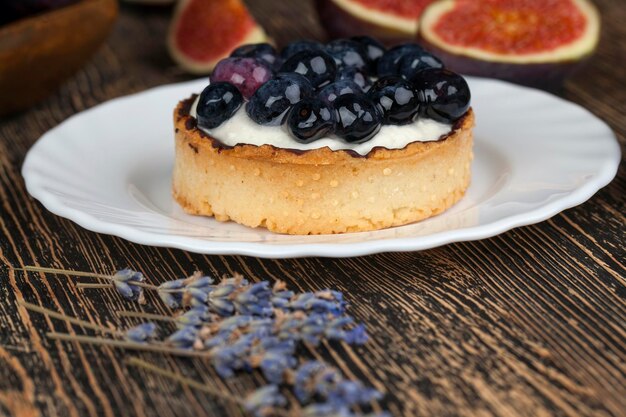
<point>333,250</point>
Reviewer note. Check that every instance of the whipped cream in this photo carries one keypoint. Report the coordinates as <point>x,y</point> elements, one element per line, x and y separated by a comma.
<point>240,129</point>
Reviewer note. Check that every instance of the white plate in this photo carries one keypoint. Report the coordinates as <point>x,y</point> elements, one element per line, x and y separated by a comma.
<point>108,169</point>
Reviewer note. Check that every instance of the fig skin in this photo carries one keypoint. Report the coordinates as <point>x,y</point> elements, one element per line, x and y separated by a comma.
<point>341,24</point>
<point>546,76</point>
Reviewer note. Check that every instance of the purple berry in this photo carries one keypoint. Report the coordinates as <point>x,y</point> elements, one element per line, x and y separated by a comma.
<point>443,95</point>
<point>310,119</point>
<point>358,119</point>
<point>317,66</point>
<point>299,46</point>
<point>217,103</point>
<point>395,99</point>
<point>374,50</point>
<point>270,103</point>
<point>414,62</point>
<point>330,93</point>
<point>247,74</point>
<point>347,53</point>
<point>355,75</point>
<point>261,51</point>
<point>389,63</point>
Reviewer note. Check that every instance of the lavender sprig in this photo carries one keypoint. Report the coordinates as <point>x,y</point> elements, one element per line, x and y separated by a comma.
<point>240,325</point>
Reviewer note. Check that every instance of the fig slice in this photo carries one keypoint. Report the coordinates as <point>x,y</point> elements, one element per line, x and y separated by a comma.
<point>532,42</point>
<point>203,32</point>
<point>388,20</point>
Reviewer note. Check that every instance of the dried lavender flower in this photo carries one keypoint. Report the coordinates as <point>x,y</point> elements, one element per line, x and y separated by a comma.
<point>195,317</point>
<point>274,364</point>
<point>315,379</point>
<point>230,358</point>
<point>126,274</point>
<point>325,301</point>
<point>263,401</point>
<point>197,289</point>
<point>304,383</point>
<point>254,300</point>
<point>125,281</point>
<point>184,338</point>
<point>170,294</point>
<point>141,333</point>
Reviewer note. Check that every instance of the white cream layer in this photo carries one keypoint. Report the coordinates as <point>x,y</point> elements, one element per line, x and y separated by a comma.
<point>240,129</point>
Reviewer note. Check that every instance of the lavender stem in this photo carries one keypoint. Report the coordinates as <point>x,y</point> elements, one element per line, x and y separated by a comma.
<point>142,315</point>
<point>152,347</point>
<point>30,268</point>
<point>183,380</point>
<point>64,317</point>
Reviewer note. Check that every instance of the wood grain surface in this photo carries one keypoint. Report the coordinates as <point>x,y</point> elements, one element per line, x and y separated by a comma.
<point>528,323</point>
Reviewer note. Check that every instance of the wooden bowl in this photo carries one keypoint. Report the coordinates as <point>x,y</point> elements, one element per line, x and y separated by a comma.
<point>37,53</point>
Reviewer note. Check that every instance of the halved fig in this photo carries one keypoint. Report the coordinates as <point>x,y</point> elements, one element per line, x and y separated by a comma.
<point>390,21</point>
<point>532,42</point>
<point>205,31</point>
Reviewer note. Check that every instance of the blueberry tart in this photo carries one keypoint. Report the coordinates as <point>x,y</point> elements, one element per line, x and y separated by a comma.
<point>318,139</point>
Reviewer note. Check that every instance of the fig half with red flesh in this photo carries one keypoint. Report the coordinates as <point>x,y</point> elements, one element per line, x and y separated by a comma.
<point>531,42</point>
<point>203,32</point>
<point>390,21</point>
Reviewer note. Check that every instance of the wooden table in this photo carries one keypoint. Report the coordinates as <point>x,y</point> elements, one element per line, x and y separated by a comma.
<point>528,323</point>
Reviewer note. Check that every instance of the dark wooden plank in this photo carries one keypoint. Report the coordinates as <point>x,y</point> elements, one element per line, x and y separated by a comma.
<point>528,323</point>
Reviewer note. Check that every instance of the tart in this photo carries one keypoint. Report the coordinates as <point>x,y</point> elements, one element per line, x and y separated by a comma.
<point>333,172</point>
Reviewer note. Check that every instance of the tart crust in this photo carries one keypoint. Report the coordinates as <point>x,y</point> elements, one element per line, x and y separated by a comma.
<point>318,191</point>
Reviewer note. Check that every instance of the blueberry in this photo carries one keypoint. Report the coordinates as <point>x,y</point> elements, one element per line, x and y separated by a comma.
<point>310,119</point>
<point>317,66</point>
<point>395,99</point>
<point>270,102</point>
<point>389,62</point>
<point>443,95</point>
<point>373,50</point>
<point>217,103</point>
<point>330,93</point>
<point>357,117</point>
<point>247,74</point>
<point>262,51</point>
<point>299,46</point>
<point>356,75</point>
<point>414,62</point>
<point>347,53</point>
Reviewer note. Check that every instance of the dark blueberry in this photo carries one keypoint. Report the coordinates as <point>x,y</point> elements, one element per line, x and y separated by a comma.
<point>395,99</point>
<point>356,75</point>
<point>357,117</point>
<point>373,50</point>
<point>217,103</point>
<point>347,53</point>
<point>443,95</point>
<point>414,62</point>
<point>263,51</point>
<point>330,93</point>
<point>317,66</point>
<point>299,46</point>
<point>270,102</point>
<point>388,64</point>
<point>310,119</point>
<point>247,74</point>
